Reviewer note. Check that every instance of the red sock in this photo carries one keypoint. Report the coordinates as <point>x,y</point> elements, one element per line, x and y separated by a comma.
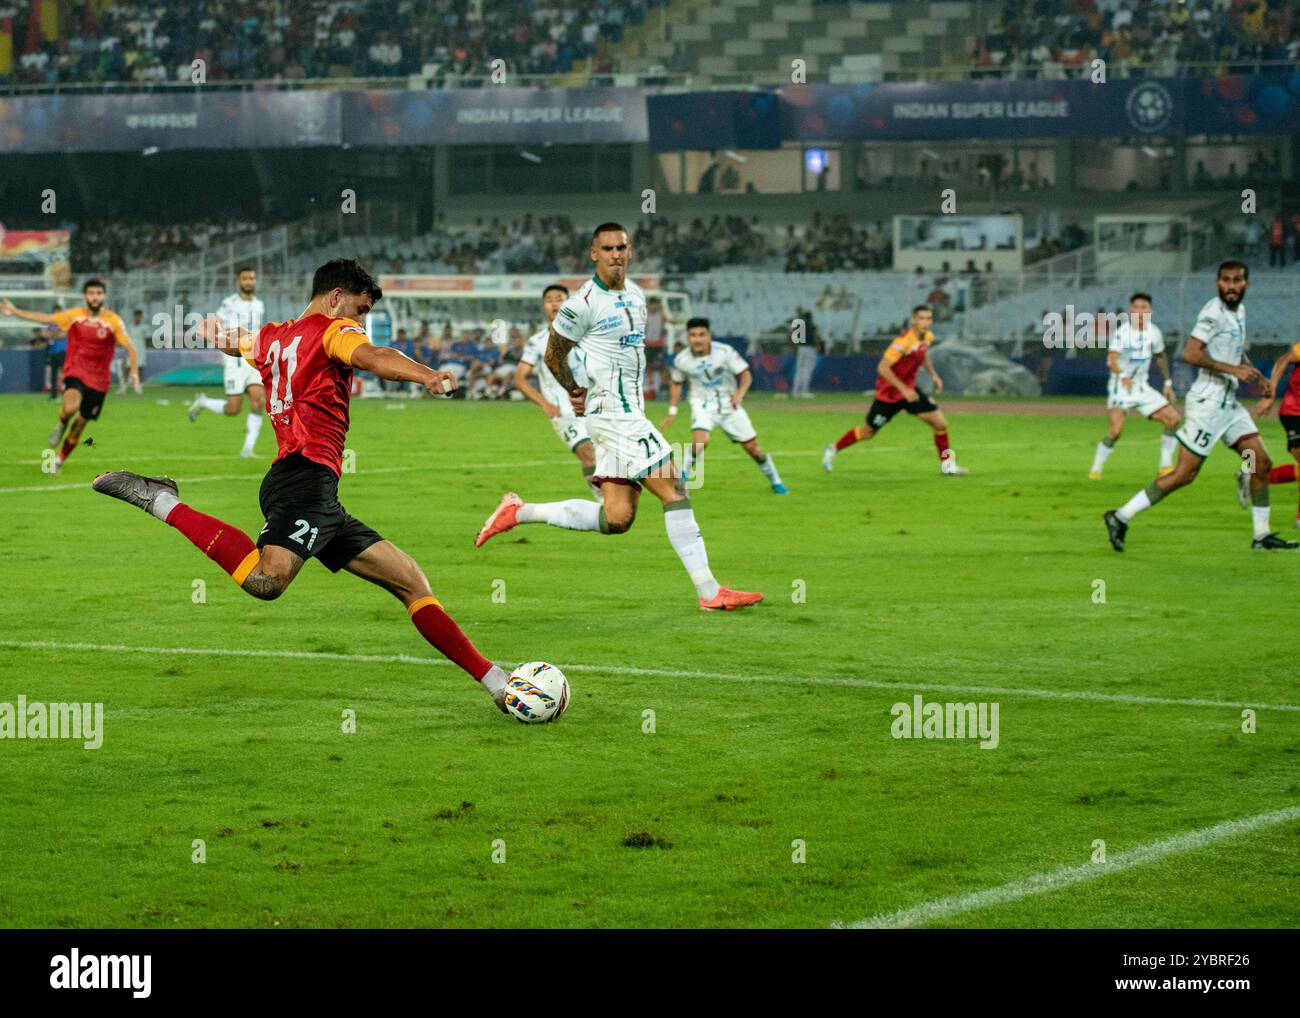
<point>436,626</point>
<point>1284,474</point>
<point>68,445</point>
<point>847,439</point>
<point>941,443</point>
<point>227,546</point>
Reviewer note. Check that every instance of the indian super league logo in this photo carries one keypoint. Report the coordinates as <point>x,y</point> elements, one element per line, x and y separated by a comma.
<point>1150,107</point>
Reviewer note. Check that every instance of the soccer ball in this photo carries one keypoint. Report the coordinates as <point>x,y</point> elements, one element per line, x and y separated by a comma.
<point>536,692</point>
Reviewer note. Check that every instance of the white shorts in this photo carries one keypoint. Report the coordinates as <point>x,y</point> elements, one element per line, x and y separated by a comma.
<point>1207,421</point>
<point>735,423</point>
<point>1141,398</point>
<point>628,447</point>
<point>239,375</point>
<point>570,430</point>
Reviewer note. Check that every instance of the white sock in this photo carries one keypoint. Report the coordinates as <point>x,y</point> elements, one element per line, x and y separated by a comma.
<point>215,405</point>
<point>1167,446</point>
<point>573,514</point>
<point>769,470</point>
<point>495,679</point>
<point>685,537</point>
<point>1103,454</point>
<point>1133,506</point>
<point>252,426</point>
<point>164,502</point>
<point>1259,519</point>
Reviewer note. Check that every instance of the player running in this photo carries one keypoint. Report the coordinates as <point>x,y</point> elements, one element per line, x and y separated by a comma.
<point>605,322</point>
<point>241,310</point>
<point>94,333</point>
<point>549,395</point>
<point>1134,345</point>
<point>1289,415</point>
<point>895,378</point>
<point>306,364</point>
<point>719,380</point>
<point>1217,347</point>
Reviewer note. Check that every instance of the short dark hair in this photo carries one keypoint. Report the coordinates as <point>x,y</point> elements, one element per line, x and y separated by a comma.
<point>94,282</point>
<point>555,286</point>
<point>697,323</point>
<point>1142,296</point>
<point>1233,263</point>
<point>345,274</point>
<point>922,307</point>
<point>607,228</point>
<point>244,268</point>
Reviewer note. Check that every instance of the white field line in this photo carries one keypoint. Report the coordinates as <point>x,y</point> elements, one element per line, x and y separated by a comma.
<point>669,673</point>
<point>85,485</point>
<point>1067,876</point>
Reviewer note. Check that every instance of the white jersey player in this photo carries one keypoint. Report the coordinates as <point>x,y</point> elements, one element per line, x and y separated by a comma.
<point>605,322</point>
<point>1217,346</point>
<point>1135,344</point>
<point>241,310</point>
<point>548,393</point>
<point>719,379</point>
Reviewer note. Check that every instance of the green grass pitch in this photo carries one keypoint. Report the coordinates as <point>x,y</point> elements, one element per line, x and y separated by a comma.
<point>939,586</point>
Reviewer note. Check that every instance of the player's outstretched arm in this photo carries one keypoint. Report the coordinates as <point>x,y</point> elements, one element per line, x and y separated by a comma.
<point>395,366</point>
<point>39,317</point>
<point>227,339</point>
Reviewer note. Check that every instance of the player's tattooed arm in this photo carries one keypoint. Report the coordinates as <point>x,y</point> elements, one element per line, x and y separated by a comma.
<point>557,359</point>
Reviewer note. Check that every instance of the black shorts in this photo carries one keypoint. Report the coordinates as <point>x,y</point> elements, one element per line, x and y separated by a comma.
<point>1292,426</point>
<point>300,500</point>
<point>92,400</point>
<point>881,413</point>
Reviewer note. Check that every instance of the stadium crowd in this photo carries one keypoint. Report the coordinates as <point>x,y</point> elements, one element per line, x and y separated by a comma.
<point>1052,39</point>
<point>102,247</point>
<point>96,41</point>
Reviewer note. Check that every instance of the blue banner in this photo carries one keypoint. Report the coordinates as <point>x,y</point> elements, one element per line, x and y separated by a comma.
<point>1244,104</point>
<point>495,116</point>
<point>756,119</point>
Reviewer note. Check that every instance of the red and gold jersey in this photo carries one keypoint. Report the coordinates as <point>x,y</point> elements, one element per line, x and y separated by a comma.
<point>91,344</point>
<point>1291,401</point>
<point>306,367</point>
<point>905,355</point>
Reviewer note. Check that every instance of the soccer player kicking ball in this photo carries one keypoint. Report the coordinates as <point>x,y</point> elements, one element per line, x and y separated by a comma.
<point>719,379</point>
<point>241,310</point>
<point>306,365</point>
<point>605,322</point>
<point>895,376</point>
<point>548,394</point>
<point>1289,414</point>
<point>94,333</point>
<point>1135,344</point>
<point>1217,347</point>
